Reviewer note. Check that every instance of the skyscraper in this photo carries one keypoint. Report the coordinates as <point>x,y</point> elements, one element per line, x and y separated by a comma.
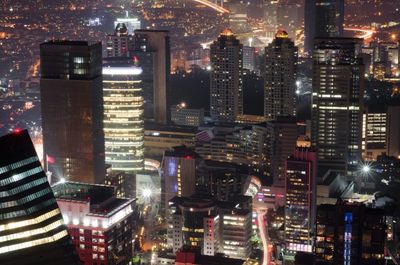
<point>280,77</point>
<point>322,18</point>
<point>300,205</point>
<point>123,115</point>
<point>72,112</point>
<point>152,48</point>
<point>226,55</point>
<point>31,227</point>
<point>121,43</point>
<point>337,104</point>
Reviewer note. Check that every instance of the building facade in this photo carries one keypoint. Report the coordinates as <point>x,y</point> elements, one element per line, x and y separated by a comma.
<point>280,77</point>
<point>350,234</point>
<point>226,85</point>
<point>32,230</point>
<point>152,49</point>
<point>323,18</point>
<point>121,43</point>
<point>72,110</point>
<point>123,116</point>
<point>101,226</point>
<point>300,205</point>
<point>337,104</point>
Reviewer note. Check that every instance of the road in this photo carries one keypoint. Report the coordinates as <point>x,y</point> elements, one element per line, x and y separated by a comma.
<point>264,236</point>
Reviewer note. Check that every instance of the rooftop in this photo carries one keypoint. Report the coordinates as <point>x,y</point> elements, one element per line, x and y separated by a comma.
<point>102,198</point>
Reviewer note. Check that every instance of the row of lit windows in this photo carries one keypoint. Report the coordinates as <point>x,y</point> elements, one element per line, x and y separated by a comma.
<point>29,233</point>
<point>33,243</point>
<point>22,188</point>
<point>20,176</point>
<point>18,164</point>
<point>27,211</point>
<point>32,221</point>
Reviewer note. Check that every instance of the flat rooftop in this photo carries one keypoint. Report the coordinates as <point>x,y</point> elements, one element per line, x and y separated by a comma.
<point>102,198</point>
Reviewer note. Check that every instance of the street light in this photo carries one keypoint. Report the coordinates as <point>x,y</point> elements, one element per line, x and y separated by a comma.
<point>366,169</point>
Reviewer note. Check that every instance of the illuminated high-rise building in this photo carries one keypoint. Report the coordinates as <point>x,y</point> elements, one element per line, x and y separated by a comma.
<point>121,43</point>
<point>226,99</point>
<point>300,205</point>
<point>152,49</point>
<point>123,116</point>
<point>32,230</point>
<point>280,77</point>
<point>322,18</point>
<point>337,104</point>
<point>72,110</point>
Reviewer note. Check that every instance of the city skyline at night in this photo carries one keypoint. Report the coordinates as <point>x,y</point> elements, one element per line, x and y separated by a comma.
<point>201,132</point>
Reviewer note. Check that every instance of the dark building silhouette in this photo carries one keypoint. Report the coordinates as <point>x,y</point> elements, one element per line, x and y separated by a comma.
<point>350,234</point>
<point>32,230</point>
<point>72,110</point>
<point>152,50</point>
<point>322,18</point>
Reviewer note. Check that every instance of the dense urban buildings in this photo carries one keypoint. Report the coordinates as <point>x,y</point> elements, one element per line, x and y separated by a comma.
<point>226,85</point>
<point>123,115</point>
<point>337,104</point>
<point>72,110</point>
<point>210,132</point>
<point>101,226</point>
<point>350,234</point>
<point>31,227</point>
<point>280,77</point>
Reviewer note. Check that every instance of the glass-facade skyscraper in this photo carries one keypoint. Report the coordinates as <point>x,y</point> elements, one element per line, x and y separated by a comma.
<point>322,18</point>
<point>72,110</point>
<point>123,115</point>
<point>32,230</point>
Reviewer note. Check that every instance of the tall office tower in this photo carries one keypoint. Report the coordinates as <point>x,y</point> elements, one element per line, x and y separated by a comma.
<point>178,177</point>
<point>132,23</point>
<point>123,116</point>
<point>121,43</point>
<point>152,48</point>
<point>101,225</point>
<point>226,55</point>
<point>31,227</point>
<point>322,18</point>
<point>349,233</point>
<point>72,110</point>
<point>337,104</point>
<point>300,205</point>
<point>392,131</point>
<point>281,142</point>
<point>280,77</point>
